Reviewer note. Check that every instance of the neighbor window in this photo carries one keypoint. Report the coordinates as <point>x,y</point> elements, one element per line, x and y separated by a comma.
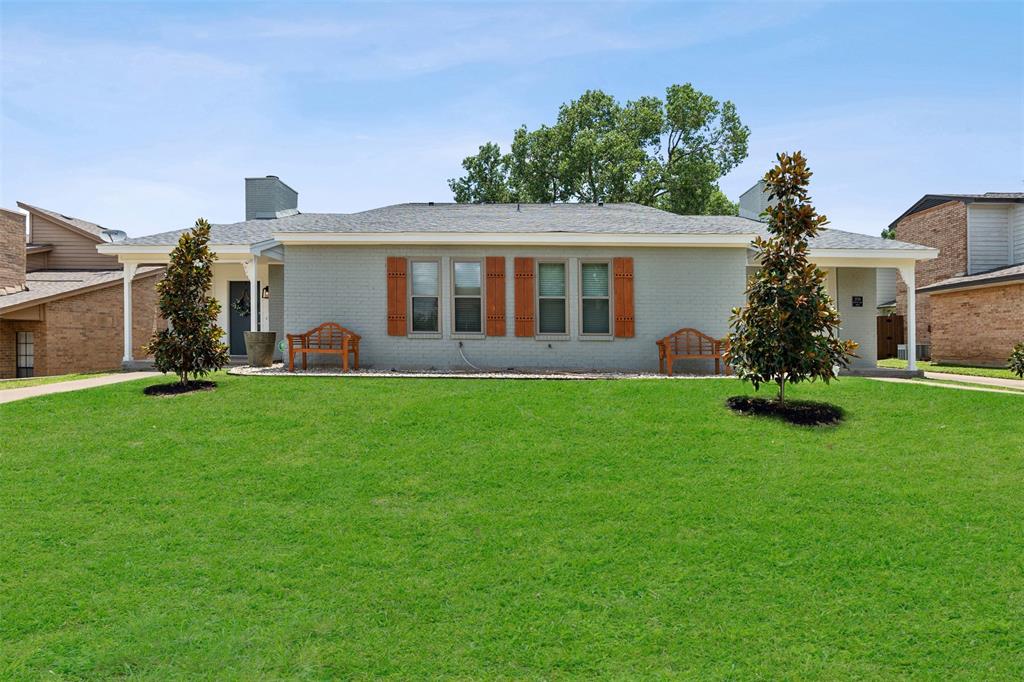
<point>25,353</point>
<point>551,298</point>
<point>468,308</point>
<point>425,284</point>
<point>595,298</point>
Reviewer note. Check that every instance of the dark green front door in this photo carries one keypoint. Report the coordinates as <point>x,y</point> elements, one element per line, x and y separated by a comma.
<point>238,319</point>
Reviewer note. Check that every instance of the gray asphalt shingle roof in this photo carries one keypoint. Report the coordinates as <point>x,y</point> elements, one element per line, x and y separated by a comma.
<point>84,225</point>
<point>521,218</point>
<point>1007,274</point>
<point>43,285</point>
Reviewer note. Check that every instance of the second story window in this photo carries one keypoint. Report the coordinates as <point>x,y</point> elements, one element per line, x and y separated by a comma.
<point>467,292</point>
<point>425,285</point>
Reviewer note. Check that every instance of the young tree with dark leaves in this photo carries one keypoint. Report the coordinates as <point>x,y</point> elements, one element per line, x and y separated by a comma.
<point>191,345</point>
<point>788,330</point>
<point>1016,361</point>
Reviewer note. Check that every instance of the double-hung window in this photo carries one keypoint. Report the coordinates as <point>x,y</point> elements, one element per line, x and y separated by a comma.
<point>595,298</point>
<point>25,354</point>
<point>551,291</point>
<point>426,280</point>
<point>467,292</point>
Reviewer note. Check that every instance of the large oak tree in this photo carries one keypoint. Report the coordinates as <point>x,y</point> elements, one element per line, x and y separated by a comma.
<point>668,153</point>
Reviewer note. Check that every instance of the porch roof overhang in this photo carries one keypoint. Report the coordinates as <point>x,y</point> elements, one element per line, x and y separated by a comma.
<point>161,253</point>
<point>864,258</point>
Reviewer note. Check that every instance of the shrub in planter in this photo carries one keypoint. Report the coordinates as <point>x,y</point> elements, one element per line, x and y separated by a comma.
<point>1016,361</point>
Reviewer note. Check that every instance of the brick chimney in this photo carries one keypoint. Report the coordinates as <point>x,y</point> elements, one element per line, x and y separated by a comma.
<point>269,198</point>
<point>12,251</point>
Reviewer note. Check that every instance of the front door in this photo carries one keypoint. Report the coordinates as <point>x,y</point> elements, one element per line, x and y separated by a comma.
<point>889,330</point>
<point>239,310</point>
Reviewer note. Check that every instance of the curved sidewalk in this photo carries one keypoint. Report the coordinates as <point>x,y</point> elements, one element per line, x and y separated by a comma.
<point>11,394</point>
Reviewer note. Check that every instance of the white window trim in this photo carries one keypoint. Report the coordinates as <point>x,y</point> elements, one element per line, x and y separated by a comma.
<point>483,303</point>
<point>537,333</point>
<point>435,334</point>
<point>611,283</point>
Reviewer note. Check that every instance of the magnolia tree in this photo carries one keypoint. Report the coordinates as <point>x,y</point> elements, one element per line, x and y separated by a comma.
<point>191,345</point>
<point>788,331</point>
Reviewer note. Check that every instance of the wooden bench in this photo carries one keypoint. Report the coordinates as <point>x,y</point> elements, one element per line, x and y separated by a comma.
<point>329,338</point>
<point>690,344</point>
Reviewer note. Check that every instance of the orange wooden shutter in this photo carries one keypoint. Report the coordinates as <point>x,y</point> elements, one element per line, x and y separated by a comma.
<point>396,296</point>
<point>524,296</point>
<point>495,295</point>
<point>625,325</point>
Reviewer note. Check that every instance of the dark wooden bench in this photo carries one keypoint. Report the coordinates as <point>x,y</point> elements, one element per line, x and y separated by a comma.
<point>329,338</point>
<point>690,344</point>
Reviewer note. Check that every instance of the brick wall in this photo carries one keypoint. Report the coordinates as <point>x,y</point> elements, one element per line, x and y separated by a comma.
<point>12,251</point>
<point>8,340</point>
<point>943,227</point>
<point>977,326</point>
<point>85,333</point>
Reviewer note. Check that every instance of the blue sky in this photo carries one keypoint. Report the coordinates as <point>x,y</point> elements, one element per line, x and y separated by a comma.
<point>145,116</point>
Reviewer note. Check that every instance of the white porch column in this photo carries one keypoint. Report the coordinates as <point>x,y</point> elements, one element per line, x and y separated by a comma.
<point>251,268</point>
<point>128,274</point>
<point>907,273</point>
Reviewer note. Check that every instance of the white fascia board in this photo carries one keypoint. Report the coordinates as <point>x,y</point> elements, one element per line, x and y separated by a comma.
<point>511,239</point>
<point>140,252</point>
<point>871,257</point>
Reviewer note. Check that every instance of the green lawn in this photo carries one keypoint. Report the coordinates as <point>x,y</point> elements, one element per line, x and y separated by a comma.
<point>38,381</point>
<point>951,369</point>
<point>315,527</point>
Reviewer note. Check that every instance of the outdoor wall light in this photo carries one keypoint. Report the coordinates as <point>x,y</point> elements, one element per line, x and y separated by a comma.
<point>266,292</point>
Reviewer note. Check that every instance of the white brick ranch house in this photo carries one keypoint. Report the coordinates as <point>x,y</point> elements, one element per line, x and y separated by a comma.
<point>505,285</point>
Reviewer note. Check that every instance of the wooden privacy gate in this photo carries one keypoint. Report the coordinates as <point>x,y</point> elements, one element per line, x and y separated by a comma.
<point>890,333</point>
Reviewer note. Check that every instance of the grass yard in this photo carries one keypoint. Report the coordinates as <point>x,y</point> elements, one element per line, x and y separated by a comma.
<point>311,528</point>
<point>39,381</point>
<point>995,372</point>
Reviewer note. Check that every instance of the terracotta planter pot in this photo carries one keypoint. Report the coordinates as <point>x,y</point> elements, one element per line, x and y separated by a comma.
<point>259,347</point>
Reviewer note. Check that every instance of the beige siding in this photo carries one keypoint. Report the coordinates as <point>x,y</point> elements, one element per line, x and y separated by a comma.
<point>71,249</point>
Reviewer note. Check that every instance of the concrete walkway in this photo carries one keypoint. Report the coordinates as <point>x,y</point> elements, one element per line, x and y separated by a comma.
<point>981,381</point>
<point>942,376</point>
<point>9,395</point>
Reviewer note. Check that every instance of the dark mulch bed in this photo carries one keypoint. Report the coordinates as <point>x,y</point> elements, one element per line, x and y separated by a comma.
<point>178,388</point>
<point>801,412</point>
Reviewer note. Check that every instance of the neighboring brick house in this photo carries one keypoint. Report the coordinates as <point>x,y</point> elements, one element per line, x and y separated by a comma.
<point>61,301</point>
<point>537,286</point>
<point>970,307</point>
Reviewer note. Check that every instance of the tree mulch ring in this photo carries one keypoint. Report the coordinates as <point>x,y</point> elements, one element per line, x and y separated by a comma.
<point>178,388</point>
<point>800,412</point>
